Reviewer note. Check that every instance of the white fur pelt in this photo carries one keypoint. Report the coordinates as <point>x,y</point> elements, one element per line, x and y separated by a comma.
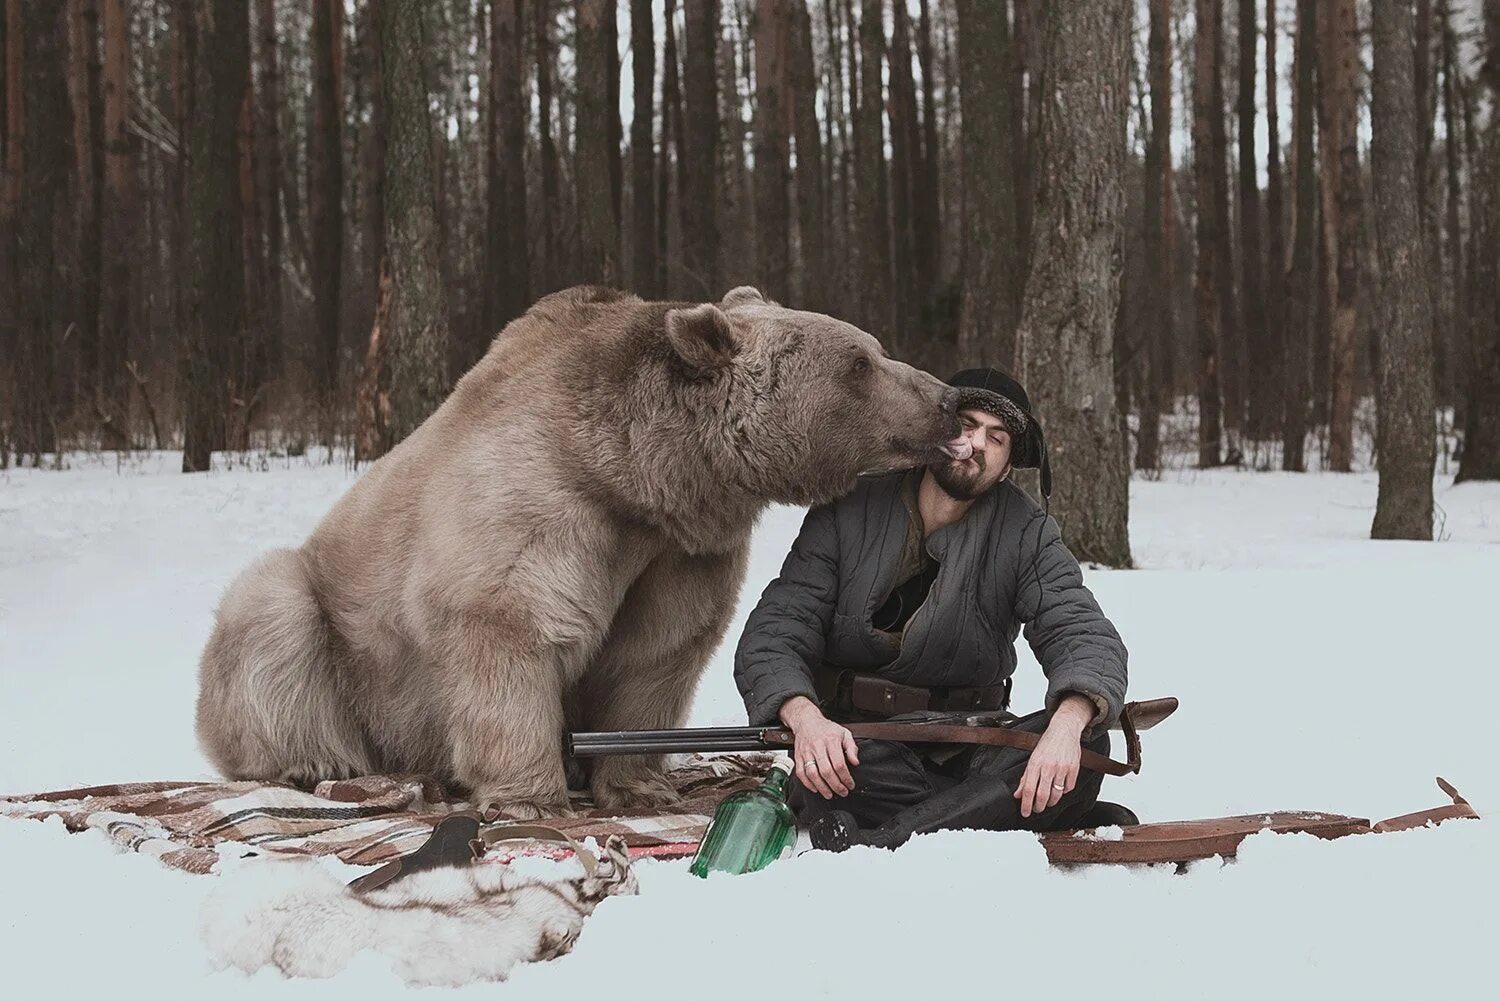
<point>442,927</point>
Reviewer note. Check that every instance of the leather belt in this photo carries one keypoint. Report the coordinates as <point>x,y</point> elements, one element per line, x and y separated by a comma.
<point>844,690</point>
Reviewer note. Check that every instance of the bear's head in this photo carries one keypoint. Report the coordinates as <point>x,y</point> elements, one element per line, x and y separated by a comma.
<point>806,402</point>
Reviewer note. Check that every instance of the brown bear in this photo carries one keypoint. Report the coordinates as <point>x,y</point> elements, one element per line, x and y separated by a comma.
<point>560,545</point>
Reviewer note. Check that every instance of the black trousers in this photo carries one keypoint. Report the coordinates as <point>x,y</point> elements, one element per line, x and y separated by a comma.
<point>903,789</point>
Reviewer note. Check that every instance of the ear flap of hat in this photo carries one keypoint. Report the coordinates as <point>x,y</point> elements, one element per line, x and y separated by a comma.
<point>702,337</point>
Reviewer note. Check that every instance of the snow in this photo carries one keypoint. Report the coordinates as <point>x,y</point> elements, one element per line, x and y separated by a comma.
<point>1317,670</point>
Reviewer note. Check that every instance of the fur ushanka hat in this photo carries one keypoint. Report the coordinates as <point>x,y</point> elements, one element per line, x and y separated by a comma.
<point>996,393</point>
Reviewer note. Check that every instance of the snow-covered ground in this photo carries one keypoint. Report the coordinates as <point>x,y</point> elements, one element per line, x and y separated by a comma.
<point>1316,670</point>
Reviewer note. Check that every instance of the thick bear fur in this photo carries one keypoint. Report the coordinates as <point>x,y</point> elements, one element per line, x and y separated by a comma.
<point>559,546</point>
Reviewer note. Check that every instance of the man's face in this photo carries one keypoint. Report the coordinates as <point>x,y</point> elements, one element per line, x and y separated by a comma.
<point>988,464</point>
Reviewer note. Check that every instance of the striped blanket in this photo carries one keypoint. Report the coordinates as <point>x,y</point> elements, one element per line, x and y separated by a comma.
<point>363,821</point>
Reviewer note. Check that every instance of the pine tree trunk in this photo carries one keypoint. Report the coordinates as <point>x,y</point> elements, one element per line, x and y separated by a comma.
<point>700,138</point>
<point>1274,314</point>
<point>1231,341</point>
<point>926,215</point>
<point>591,166</point>
<point>1455,312</point>
<point>507,282</point>
<point>39,131</point>
<point>1160,297</point>
<point>12,118</point>
<point>1208,315</point>
<point>551,267</point>
<point>218,75</point>
<point>325,184</point>
<point>268,183</point>
<point>672,149</point>
<point>1067,327</point>
<point>773,105</point>
<point>415,334</point>
<point>902,112</point>
<point>1257,356</point>
<point>1338,91</point>
<point>1481,459</point>
<point>988,314</point>
<point>84,86</point>
<point>373,150</point>
<point>1300,322</point>
<point>643,149</point>
<point>816,277</point>
<point>735,197</point>
<point>1404,437</point>
<point>119,218</point>
<point>872,223</point>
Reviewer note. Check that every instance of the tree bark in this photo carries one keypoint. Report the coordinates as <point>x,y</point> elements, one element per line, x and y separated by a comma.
<point>700,231</point>
<point>816,277</point>
<point>1481,458</point>
<point>1231,340</point>
<point>508,278</point>
<point>1274,314</point>
<point>84,256</point>
<point>1206,287</point>
<point>773,105</point>
<point>872,222</point>
<point>325,186</point>
<point>218,75</point>
<point>1404,436</point>
<point>1338,92</point>
<point>1067,325</point>
<point>591,167</point>
<point>672,154</point>
<point>643,149</point>
<point>1160,297</point>
<point>1257,355</point>
<point>415,331</point>
<point>268,185</point>
<point>906,335</point>
<point>551,220</point>
<point>988,314</point>
<point>1300,317</point>
<point>40,123</point>
<point>12,119</point>
<point>926,217</point>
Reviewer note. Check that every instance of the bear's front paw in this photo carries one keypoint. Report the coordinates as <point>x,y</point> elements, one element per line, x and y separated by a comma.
<point>635,793</point>
<point>500,808</point>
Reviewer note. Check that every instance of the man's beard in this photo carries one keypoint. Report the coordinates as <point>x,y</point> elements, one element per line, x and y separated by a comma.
<point>957,480</point>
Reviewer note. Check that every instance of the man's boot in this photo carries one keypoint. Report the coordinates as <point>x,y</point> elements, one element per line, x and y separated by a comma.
<point>1105,814</point>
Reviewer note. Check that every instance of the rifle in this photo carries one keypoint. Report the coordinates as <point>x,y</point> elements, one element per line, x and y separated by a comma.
<point>981,729</point>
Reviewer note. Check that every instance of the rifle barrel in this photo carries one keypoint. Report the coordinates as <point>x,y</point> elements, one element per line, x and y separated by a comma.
<point>685,741</point>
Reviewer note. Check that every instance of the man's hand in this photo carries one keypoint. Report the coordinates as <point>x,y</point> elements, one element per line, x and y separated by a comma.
<point>822,749</point>
<point>1054,762</point>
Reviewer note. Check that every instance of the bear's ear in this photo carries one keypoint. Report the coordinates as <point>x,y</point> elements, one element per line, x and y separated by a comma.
<point>702,337</point>
<point>742,295</point>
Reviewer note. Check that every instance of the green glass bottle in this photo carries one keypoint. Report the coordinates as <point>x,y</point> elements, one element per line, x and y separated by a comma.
<point>750,829</point>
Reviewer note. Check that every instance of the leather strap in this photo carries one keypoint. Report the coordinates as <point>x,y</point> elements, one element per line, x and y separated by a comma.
<point>844,689</point>
<point>501,833</point>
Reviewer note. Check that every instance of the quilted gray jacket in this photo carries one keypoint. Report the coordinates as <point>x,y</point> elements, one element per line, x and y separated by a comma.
<point>846,561</point>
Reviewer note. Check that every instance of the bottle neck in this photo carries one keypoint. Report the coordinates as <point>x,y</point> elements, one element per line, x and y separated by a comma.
<point>775,784</point>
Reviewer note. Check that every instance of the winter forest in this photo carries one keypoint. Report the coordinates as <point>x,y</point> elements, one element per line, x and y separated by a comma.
<point>244,226</point>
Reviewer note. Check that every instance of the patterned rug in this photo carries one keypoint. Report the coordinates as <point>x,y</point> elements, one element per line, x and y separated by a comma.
<point>363,821</point>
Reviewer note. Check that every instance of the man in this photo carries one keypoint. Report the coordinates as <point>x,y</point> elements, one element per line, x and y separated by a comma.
<point>902,600</point>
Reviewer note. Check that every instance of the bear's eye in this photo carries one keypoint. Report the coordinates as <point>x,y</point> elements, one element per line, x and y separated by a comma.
<point>862,364</point>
